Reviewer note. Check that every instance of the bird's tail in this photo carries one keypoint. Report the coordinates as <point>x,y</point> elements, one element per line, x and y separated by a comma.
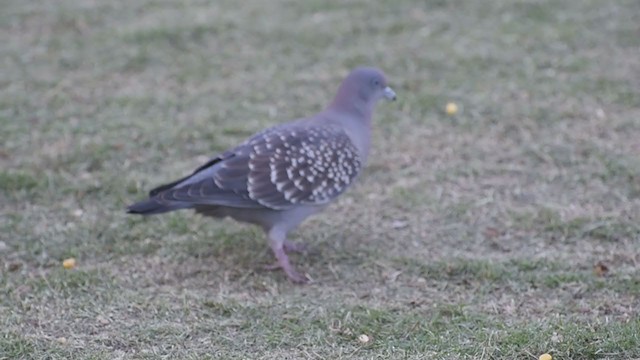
<point>153,206</point>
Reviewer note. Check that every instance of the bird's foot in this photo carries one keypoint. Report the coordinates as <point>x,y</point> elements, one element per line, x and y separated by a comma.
<point>294,276</point>
<point>284,264</point>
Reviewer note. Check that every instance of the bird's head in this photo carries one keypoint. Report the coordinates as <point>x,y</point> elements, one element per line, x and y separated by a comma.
<point>363,88</point>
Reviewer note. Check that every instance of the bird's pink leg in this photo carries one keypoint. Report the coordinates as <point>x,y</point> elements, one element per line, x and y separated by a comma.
<point>290,246</point>
<point>277,241</point>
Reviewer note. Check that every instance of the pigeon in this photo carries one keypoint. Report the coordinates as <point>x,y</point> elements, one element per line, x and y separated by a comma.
<point>282,175</point>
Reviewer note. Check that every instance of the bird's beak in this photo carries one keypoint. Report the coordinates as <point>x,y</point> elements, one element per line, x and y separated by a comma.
<point>389,94</point>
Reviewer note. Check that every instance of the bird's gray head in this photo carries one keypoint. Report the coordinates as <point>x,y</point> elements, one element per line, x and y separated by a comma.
<point>362,89</point>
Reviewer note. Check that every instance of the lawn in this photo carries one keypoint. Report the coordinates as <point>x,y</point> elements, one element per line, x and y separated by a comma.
<point>504,231</point>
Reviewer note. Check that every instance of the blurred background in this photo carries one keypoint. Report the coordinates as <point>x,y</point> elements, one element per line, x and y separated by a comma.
<point>498,216</point>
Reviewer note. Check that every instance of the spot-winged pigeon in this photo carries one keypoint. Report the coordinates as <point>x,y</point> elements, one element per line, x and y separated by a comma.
<point>282,175</point>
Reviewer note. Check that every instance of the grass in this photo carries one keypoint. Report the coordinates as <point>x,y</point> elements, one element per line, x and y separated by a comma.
<point>505,231</point>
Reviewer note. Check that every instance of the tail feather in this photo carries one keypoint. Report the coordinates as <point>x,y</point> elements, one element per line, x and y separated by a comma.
<point>153,206</point>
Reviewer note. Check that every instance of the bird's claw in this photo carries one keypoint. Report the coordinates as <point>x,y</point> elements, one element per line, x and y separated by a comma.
<point>293,276</point>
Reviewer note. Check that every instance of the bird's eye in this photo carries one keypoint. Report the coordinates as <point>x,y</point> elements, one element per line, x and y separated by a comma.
<point>376,82</point>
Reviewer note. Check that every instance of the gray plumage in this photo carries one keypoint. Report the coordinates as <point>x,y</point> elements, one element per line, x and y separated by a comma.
<point>282,175</point>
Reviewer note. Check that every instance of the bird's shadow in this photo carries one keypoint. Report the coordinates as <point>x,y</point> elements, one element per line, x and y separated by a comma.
<point>227,251</point>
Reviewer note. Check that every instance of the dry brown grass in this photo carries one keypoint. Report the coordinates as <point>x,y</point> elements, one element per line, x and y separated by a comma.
<point>469,236</point>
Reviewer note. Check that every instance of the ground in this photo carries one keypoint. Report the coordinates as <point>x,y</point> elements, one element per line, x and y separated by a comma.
<point>504,231</point>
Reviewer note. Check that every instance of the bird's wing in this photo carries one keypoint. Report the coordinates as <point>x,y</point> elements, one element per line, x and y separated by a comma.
<point>278,168</point>
<point>301,165</point>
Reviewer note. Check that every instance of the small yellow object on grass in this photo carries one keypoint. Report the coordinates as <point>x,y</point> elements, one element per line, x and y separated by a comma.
<point>69,263</point>
<point>363,338</point>
<point>545,357</point>
<point>451,108</point>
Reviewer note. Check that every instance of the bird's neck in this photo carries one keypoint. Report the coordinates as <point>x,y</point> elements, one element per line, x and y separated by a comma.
<point>351,101</point>
<point>357,107</point>
<point>356,122</point>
